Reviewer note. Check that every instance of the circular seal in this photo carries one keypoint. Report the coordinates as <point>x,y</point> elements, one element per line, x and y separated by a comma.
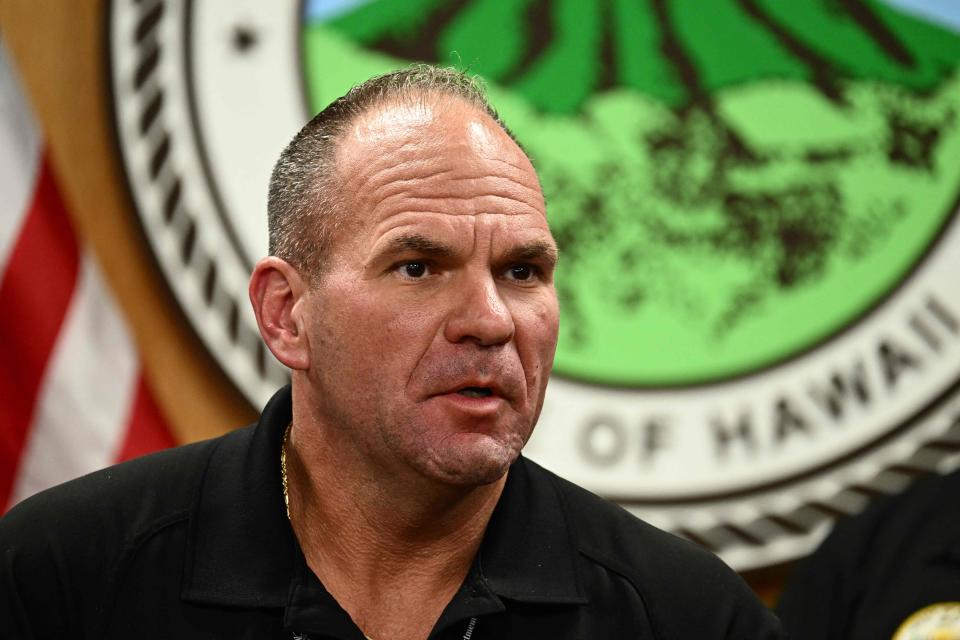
<point>757,217</point>
<point>939,621</point>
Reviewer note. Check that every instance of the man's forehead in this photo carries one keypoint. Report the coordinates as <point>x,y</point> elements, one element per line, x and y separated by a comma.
<point>441,122</point>
<point>406,160</point>
<point>394,119</point>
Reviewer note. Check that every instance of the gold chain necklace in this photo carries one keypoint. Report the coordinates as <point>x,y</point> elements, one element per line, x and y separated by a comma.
<point>283,479</point>
<point>283,469</point>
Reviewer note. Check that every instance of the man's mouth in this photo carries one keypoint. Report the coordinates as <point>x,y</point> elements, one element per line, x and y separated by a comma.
<point>476,392</point>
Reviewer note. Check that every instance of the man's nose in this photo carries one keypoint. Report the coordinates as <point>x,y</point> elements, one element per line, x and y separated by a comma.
<point>480,314</point>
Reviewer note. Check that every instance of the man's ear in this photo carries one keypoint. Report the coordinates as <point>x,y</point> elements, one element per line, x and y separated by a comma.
<point>276,292</point>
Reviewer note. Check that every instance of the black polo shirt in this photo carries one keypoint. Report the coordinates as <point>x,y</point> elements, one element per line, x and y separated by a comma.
<point>194,543</point>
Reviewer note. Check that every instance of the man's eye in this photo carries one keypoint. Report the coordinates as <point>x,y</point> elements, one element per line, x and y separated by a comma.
<point>413,269</point>
<point>522,272</point>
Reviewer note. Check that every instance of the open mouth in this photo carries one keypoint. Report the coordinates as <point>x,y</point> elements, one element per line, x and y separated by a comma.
<point>476,392</point>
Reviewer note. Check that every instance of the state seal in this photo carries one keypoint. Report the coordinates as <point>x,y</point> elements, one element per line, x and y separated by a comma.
<point>755,202</point>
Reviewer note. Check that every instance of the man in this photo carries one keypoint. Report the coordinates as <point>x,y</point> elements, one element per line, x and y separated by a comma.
<point>382,495</point>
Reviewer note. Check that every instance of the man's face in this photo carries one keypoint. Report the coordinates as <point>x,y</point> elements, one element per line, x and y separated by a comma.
<point>432,331</point>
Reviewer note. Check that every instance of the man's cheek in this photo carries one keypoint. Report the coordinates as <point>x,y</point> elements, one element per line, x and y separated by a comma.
<point>409,324</point>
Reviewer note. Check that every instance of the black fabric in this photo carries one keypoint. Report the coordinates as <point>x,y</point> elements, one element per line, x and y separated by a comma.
<point>194,543</point>
<point>875,570</point>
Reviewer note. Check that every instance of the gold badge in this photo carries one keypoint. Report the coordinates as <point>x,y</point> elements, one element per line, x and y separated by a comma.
<point>940,621</point>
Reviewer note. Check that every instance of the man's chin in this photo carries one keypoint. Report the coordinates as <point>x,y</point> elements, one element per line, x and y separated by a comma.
<point>477,464</point>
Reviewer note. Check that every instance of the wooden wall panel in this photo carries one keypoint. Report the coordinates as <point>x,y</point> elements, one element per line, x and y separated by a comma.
<point>59,48</point>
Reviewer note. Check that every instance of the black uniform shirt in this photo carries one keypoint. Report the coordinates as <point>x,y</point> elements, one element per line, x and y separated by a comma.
<point>893,567</point>
<point>194,543</point>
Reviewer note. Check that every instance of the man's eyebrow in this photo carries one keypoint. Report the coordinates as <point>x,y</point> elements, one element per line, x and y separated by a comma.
<point>538,251</point>
<point>418,244</point>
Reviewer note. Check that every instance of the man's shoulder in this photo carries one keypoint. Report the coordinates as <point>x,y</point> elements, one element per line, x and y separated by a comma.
<point>866,559</point>
<point>609,534</point>
<point>63,551</point>
<point>118,501</point>
<point>685,588</point>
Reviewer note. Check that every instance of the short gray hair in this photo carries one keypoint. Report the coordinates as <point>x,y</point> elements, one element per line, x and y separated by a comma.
<point>304,206</point>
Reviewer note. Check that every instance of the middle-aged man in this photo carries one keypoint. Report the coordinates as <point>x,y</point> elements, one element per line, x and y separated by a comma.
<point>381,495</point>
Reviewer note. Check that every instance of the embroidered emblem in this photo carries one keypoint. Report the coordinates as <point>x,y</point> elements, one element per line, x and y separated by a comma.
<point>940,621</point>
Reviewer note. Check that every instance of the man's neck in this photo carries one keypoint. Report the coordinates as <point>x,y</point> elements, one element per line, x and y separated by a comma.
<point>384,548</point>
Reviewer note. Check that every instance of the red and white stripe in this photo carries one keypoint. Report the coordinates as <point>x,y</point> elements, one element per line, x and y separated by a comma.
<point>72,394</point>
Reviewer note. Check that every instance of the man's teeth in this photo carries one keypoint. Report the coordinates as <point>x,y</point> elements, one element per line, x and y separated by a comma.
<point>475,392</point>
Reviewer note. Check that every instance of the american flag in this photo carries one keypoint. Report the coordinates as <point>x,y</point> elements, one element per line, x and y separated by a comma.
<point>73,397</point>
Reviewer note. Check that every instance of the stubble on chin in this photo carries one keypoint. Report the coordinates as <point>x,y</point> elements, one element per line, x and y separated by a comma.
<point>481,461</point>
<point>460,459</point>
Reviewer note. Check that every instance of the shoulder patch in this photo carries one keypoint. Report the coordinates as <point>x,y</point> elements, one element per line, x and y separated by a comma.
<point>940,621</point>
